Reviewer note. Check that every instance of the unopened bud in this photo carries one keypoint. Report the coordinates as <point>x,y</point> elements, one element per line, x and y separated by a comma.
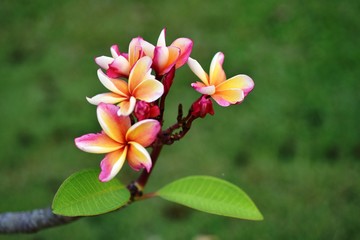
<point>202,106</point>
<point>144,110</point>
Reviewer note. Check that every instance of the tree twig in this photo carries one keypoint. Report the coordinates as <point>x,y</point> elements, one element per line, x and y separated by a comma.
<point>31,221</point>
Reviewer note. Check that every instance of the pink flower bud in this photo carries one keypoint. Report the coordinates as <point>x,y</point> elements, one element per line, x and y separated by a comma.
<point>202,106</point>
<point>144,110</point>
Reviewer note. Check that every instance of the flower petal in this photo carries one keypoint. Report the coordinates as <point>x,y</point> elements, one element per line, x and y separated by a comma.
<point>114,85</point>
<point>173,55</point>
<point>227,97</point>
<point>161,40</point>
<point>138,72</point>
<point>138,158</point>
<point>217,74</point>
<point>185,45</point>
<point>148,48</point>
<point>133,43</point>
<point>148,75</point>
<point>127,106</point>
<point>247,84</point>
<point>120,67</point>
<point>232,83</point>
<point>241,81</point>
<point>138,53</point>
<point>113,125</point>
<point>111,164</point>
<point>149,90</point>
<point>104,61</point>
<point>96,143</point>
<point>198,70</point>
<point>203,89</point>
<point>161,56</point>
<point>135,50</point>
<point>143,132</point>
<point>114,49</point>
<point>105,98</point>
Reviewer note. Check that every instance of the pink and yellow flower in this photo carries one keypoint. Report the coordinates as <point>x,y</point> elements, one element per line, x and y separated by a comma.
<point>223,91</point>
<point>165,57</point>
<point>120,64</point>
<point>120,141</point>
<point>141,86</point>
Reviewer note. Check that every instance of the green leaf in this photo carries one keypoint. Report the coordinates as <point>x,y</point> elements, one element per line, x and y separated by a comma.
<point>82,194</point>
<point>211,195</point>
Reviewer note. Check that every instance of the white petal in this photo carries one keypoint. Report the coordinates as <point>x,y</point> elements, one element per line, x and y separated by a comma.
<point>198,70</point>
<point>148,48</point>
<point>127,107</point>
<point>161,40</point>
<point>105,98</point>
<point>107,82</point>
<point>104,61</point>
<point>114,51</point>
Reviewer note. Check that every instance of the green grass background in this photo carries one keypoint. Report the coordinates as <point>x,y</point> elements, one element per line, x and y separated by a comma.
<point>293,145</point>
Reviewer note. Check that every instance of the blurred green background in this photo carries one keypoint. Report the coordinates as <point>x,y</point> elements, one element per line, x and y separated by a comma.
<point>293,145</point>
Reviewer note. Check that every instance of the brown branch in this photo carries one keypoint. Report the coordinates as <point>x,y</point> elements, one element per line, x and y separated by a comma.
<point>31,221</point>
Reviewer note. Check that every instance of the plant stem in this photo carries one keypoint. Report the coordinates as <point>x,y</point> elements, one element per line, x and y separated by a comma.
<point>144,177</point>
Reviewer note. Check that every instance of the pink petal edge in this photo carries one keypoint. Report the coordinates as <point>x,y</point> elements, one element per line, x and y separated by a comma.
<point>111,164</point>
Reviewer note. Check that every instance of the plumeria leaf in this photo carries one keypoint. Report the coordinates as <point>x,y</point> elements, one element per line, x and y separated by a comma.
<point>211,195</point>
<point>82,194</point>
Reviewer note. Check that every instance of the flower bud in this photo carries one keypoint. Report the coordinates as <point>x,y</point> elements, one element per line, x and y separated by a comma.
<point>202,106</point>
<point>144,110</point>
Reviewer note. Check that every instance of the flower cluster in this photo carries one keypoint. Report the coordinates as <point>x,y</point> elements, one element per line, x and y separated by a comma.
<point>131,113</point>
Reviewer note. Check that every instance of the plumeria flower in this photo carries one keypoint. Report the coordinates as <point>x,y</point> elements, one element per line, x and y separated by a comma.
<point>223,91</point>
<point>141,85</point>
<point>120,141</point>
<point>120,64</point>
<point>165,57</point>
